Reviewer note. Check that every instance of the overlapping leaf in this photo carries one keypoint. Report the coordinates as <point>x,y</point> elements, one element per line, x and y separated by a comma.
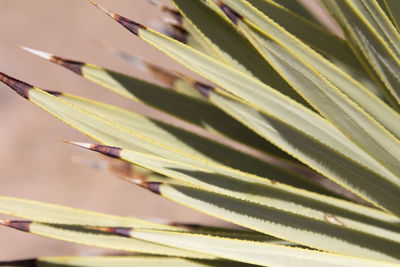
<point>290,113</point>
<point>372,35</point>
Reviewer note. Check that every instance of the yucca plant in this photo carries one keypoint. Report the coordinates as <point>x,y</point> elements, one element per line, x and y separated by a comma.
<point>323,110</point>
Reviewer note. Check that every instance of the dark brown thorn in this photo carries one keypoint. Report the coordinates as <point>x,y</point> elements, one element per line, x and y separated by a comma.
<point>154,187</point>
<point>18,86</point>
<point>177,32</point>
<point>140,181</point>
<point>122,231</point>
<point>203,88</point>
<point>229,12</point>
<point>20,263</point>
<point>19,225</point>
<point>54,93</point>
<point>130,25</point>
<point>110,151</point>
<point>72,65</point>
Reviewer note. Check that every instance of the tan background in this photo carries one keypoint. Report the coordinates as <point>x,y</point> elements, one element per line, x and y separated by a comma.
<point>34,163</point>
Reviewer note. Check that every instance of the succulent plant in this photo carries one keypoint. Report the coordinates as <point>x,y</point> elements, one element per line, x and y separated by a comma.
<point>324,112</point>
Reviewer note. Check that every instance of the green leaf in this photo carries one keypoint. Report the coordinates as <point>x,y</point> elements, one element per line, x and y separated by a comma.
<point>237,51</point>
<point>290,113</point>
<point>334,164</point>
<point>325,93</point>
<point>393,8</point>
<point>271,194</point>
<point>367,27</point>
<point>277,39</point>
<point>313,233</point>
<point>252,252</point>
<point>293,114</point>
<point>81,235</point>
<point>50,213</point>
<point>200,113</point>
<point>332,47</point>
<point>345,114</point>
<point>190,143</point>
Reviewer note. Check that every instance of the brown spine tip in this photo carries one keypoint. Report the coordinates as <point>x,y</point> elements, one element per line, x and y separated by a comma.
<point>20,263</point>
<point>130,25</point>
<point>122,231</point>
<point>19,225</point>
<point>230,13</point>
<point>18,86</point>
<point>204,89</point>
<point>113,152</point>
<point>153,187</point>
<point>54,93</point>
<point>75,66</point>
<point>177,32</point>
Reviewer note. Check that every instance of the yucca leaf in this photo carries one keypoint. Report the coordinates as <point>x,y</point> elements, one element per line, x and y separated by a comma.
<point>272,194</point>
<point>188,84</point>
<point>374,13</point>
<point>238,52</point>
<point>197,112</point>
<point>348,85</point>
<point>295,228</point>
<point>120,261</point>
<point>249,252</point>
<point>393,8</point>
<point>351,120</point>
<point>108,132</point>
<point>287,111</point>
<point>191,143</point>
<point>105,123</point>
<point>344,170</point>
<point>230,233</point>
<point>321,40</point>
<point>368,30</point>
<point>50,213</point>
<point>281,42</point>
<point>81,235</point>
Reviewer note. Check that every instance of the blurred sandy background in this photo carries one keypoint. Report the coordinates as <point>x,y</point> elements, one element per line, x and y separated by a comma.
<point>34,163</point>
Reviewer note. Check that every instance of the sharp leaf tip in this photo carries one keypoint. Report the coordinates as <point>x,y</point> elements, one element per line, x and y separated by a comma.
<point>39,53</point>
<point>18,86</point>
<point>79,144</point>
